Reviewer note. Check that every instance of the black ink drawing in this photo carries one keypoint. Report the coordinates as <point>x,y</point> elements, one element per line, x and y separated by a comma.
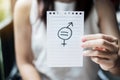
<point>65,33</point>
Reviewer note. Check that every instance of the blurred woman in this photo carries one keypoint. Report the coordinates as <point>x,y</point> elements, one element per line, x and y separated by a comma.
<point>30,39</point>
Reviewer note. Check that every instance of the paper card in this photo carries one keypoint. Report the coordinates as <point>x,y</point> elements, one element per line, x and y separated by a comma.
<point>64,32</point>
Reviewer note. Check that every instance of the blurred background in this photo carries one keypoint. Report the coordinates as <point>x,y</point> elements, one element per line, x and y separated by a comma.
<point>8,69</point>
<point>7,56</point>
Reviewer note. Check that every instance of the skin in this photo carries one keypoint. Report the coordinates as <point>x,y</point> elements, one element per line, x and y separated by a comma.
<point>24,55</point>
<point>107,59</point>
<point>104,47</point>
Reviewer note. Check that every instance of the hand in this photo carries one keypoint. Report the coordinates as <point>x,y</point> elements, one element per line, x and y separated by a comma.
<point>103,50</point>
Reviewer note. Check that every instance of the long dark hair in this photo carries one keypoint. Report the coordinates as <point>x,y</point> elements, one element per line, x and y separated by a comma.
<point>81,5</point>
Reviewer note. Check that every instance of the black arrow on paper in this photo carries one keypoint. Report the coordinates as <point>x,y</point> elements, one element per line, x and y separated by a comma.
<point>70,24</point>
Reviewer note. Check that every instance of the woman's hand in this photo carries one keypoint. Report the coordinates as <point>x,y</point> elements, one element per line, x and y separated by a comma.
<point>103,50</point>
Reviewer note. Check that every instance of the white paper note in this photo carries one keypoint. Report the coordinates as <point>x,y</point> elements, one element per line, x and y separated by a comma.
<point>64,32</point>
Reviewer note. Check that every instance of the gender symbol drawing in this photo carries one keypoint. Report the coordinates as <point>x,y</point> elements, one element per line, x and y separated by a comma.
<point>65,33</point>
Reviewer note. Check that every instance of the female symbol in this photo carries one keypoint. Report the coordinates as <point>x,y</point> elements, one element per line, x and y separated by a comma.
<point>65,33</point>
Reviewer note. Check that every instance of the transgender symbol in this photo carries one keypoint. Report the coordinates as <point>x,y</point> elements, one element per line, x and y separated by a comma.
<point>65,33</point>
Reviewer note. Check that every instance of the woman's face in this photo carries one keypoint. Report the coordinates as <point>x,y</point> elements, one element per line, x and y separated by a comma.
<point>65,0</point>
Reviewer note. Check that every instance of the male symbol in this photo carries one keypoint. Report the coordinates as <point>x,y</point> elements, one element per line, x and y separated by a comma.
<point>65,33</point>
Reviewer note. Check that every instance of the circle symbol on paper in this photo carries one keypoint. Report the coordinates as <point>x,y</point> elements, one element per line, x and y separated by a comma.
<point>65,33</point>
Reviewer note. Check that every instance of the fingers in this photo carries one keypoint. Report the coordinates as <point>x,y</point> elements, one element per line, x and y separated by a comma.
<point>102,44</point>
<point>100,54</point>
<point>100,36</point>
<point>104,64</point>
<point>103,49</point>
<point>91,53</point>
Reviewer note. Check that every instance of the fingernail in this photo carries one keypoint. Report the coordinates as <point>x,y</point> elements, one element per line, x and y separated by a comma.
<point>82,46</point>
<point>83,39</point>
